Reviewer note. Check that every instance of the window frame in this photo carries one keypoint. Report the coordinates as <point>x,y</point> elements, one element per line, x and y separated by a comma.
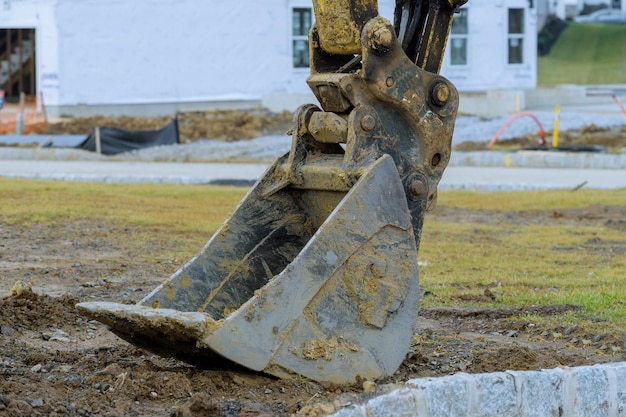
<point>519,36</point>
<point>462,36</point>
<point>293,38</point>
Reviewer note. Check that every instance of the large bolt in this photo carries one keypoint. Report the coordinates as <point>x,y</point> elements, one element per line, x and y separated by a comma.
<point>368,122</point>
<point>440,93</point>
<point>417,187</point>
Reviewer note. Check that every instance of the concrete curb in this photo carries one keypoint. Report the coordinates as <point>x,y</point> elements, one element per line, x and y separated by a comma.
<point>539,159</point>
<point>585,391</point>
<point>527,159</point>
<point>489,179</point>
<point>49,154</point>
<point>135,172</point>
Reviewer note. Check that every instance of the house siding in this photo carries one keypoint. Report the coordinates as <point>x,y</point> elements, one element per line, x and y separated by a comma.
<point>116,53</point>
<point>488,66</point>
<point>156,50</point>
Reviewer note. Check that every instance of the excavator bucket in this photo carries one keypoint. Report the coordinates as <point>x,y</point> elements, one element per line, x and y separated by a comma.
<point>297,281</point>
<point>315,272</point>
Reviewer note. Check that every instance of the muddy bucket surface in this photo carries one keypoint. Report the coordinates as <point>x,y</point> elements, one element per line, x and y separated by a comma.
<point>320,283</point>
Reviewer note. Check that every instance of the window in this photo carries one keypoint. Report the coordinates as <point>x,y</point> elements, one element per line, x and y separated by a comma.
<point>301,24</point>
<point>17,62</point>
<point>458,39</point>
<point>516,36</point>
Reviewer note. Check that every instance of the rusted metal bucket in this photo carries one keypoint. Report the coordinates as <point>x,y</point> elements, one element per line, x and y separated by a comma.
<point>319,283</point>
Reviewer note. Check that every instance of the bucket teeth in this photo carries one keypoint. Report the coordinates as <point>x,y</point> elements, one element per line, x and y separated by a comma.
<point>181,325</point>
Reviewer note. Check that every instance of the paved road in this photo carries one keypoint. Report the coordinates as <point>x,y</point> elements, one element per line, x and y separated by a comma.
<point>481,178</point>
<point>518,179</point>
<point>124,171</point>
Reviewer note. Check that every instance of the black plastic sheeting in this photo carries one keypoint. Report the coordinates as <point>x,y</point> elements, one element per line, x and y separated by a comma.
<point>114,141</point>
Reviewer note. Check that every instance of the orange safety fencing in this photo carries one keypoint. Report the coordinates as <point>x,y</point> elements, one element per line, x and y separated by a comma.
<point>27,116</point>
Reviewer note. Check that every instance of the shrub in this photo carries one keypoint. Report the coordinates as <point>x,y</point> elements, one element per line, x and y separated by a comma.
<point>548,36</point>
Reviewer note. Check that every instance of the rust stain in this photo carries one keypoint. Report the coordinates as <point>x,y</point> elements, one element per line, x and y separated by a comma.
<point>170,293</point>
<point>185,282</point>
<point>319,349</point>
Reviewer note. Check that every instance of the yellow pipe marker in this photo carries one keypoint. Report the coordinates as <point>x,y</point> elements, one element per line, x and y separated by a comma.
<point>555,131</point>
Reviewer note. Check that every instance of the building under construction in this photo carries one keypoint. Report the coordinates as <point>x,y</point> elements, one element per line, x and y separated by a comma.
<point>156,57</point>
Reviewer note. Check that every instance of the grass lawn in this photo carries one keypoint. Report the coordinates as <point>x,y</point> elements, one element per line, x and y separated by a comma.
<point>533,264</point>
<point>586,54</point>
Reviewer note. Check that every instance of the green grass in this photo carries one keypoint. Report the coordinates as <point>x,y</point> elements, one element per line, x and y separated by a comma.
<point>161,207</point>
<point>532,264</point>
<point>586,54</point>
<point>532,200</point>
<point>179,218</point>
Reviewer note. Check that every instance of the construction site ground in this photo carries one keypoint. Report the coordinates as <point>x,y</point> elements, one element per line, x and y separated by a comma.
<point>54,362</point>
<point>577,128</point>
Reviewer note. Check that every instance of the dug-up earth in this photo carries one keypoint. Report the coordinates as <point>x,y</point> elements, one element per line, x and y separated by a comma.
<point>54,362</point>
<point>232,125</point>
<point>613,138</point>
<point>226,125</point>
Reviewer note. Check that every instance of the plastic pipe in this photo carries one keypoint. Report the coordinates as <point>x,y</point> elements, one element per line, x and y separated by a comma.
<point>541,133</point>
<point>619,103</point>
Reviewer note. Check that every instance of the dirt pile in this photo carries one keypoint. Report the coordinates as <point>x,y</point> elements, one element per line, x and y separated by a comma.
<point>227,125</point>
<point>56,362</point>
<point>614,138</point>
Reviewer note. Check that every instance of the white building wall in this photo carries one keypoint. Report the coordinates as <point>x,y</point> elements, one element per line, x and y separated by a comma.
<point>121,52</point>
<point>488,66</point>
<point>543,11</point>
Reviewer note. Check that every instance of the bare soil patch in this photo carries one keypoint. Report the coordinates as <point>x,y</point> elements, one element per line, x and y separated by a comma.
<point>233,125</point>
<point>54,362</point>
<point>613,138</point>
<point>226,125</point>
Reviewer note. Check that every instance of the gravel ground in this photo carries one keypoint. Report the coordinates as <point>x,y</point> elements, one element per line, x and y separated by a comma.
<point>478,130</point>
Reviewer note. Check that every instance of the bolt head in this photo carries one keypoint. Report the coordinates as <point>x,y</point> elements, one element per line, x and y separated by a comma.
<point>440,93</point>
<point>417,187</point>
<point>368,122</point>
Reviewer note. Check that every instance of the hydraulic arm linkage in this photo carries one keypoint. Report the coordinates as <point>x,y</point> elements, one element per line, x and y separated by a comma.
<point>380,92</point>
